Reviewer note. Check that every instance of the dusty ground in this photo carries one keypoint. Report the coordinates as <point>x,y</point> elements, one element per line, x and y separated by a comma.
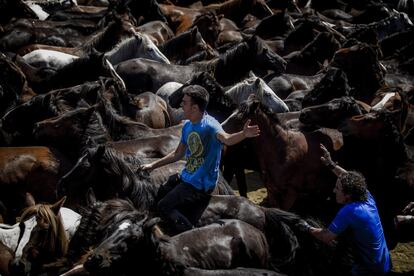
<point>402,256</point>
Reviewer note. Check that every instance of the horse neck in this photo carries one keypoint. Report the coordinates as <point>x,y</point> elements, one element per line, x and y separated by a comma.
<point>94,133</point>
<point>171,46</point>
<point>121,53</point>
<point>271,129</point>
<point>103,40</point>
<point>234,64</point>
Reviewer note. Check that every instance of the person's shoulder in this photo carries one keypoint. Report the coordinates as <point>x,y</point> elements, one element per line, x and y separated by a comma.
<point>211,121</point>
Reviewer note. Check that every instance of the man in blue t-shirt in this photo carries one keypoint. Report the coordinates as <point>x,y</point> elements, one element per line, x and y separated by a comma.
<point>359,219</point>
<point>201,143</point>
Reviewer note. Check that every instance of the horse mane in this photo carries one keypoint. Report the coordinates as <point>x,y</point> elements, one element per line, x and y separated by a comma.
<point>116,211</point>
<point>136,185</point>
<point>57,241</point>
<point>97,41</point>
<point>115,122</point>
<point>304,251</point>
<point>215,90</point>
<point>86,234</point>
<point>235,61</point>
<point>94,131</point>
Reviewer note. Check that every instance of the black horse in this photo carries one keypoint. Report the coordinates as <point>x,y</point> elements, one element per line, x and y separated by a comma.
<point>227,69</point>
<point>111,173</point>
<point>288,250</point>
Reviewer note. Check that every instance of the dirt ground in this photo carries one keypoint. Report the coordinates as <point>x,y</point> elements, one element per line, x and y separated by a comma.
<point>402,256</point>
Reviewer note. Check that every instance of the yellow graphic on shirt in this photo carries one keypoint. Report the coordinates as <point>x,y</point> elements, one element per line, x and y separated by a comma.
<point>196,158</point>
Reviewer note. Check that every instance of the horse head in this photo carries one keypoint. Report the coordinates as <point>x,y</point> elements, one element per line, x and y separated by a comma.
<point>246,110</point>
<point>47,240</point>
<point>330,114</point>
<point>112,253</point>
<point>264,57</point>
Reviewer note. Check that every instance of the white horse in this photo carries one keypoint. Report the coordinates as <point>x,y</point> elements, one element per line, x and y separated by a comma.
<point>254,85</point>
<point>138,46</point>
<point>48,58</point>
<point>176,114</point>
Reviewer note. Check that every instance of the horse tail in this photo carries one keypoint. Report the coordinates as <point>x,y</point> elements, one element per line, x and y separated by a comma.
<point>282,240</point>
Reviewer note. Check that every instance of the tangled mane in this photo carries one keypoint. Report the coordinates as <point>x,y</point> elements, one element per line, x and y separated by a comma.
<point>135,185</point>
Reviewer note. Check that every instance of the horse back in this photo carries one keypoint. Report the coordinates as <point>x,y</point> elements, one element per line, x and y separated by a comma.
<point>17,163</point>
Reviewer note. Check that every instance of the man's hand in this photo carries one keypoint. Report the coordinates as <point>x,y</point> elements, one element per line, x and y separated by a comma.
<point>145,167</point>
<point>303,226</point>
<point>326,157</point>
<point>409,209</point>
<point>250,131</point>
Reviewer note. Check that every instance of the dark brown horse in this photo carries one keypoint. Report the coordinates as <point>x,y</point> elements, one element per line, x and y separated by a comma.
<point>332,113</point>
<point>29,169</point>
<point>289,160</point>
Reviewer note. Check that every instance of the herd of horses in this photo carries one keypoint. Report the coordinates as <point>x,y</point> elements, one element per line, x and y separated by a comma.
<point>91,89</point>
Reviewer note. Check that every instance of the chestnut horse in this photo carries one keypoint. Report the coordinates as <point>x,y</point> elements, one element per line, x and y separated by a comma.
<point>289,160</point>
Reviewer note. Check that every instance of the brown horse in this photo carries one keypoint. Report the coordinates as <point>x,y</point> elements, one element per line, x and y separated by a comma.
<point>289,160</point>
<point>29,169</point>
<point>152,110</point>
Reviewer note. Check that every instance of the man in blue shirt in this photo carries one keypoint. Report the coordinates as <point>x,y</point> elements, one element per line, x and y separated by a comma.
<point>201,144</point>
<point>358,218</point>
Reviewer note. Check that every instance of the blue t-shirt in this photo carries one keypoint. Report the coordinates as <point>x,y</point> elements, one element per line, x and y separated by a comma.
<point>364,223</point>
<point>203,153</point>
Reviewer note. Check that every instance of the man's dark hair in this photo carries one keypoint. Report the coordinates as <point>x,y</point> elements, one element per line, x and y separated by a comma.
<point>198,95</point>
<point>353,184</point>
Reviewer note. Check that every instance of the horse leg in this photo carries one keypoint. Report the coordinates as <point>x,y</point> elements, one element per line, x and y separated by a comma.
<point>228,172</point>
<point>241,182</point>
<point>288,199</point>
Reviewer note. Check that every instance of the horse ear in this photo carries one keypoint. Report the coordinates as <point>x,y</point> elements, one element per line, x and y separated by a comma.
<point>29,200</point>
<point>90,197</point>
<point>194,31</point>
<point>56,207</point>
